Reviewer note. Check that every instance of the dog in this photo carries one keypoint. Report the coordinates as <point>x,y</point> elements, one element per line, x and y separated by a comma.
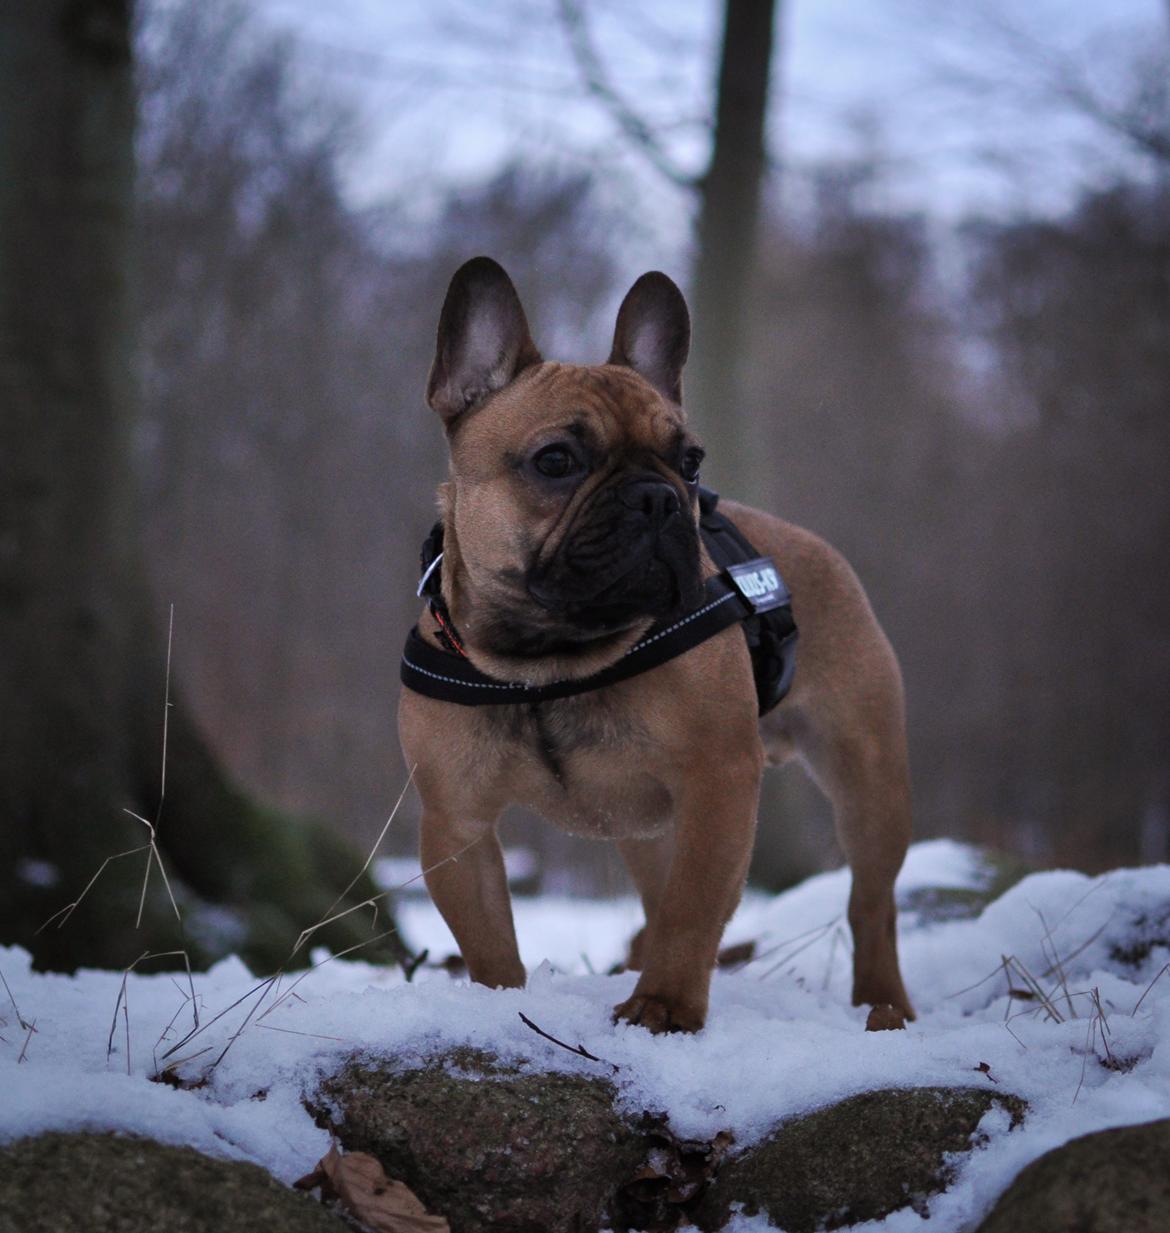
<point>569,528</point>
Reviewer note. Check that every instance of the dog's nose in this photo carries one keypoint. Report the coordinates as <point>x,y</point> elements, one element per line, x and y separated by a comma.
<point>654,498</point>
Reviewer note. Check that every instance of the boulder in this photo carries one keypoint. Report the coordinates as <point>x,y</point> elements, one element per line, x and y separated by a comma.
<point>1114,1181</point>
<point>490,1147</point>
<point>103,1183</point>
<point>932,905</point>
<point>857,1160</point>
<point>496,1147</point>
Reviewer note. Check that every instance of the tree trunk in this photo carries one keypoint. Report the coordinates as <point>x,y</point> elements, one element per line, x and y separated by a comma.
<point>82,668</point>
<point>726,253</point>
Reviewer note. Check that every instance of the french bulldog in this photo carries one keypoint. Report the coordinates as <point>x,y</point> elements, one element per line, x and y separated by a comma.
<point>570,527</point>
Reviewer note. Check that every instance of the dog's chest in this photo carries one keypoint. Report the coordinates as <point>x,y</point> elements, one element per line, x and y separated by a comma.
<point>582,764</point>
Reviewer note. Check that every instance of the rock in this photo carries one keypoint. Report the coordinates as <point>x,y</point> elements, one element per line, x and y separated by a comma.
<point>496,1147</point>
<point>1114,1181</point>
<point>854,1161</point>
<point>930,905</point>
<point>101,1183</point>
<point>490,1147</point>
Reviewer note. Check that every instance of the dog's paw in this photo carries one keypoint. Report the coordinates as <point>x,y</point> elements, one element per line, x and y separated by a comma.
<point>885,1018</point>
<point>658,1014</point>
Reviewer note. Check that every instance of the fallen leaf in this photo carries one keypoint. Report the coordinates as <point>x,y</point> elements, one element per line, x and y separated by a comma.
<point>672,1179</point>
<point>359,1183</point>
<point>737,955</point>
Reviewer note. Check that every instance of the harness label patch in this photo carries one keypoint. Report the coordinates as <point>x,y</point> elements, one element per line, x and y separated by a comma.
<point>759,582</point>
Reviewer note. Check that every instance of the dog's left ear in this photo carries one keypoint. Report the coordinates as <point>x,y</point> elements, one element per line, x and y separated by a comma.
<point>653,333</point>
<point>483,339</point>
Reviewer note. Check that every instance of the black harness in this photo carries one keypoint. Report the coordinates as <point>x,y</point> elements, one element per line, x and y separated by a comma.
<point>747,590</point>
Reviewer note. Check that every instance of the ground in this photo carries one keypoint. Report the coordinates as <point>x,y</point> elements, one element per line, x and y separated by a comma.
<point>1084,1037</point>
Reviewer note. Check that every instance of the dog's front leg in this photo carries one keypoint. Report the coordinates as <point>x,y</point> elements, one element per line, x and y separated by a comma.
<point>715,827</point>
<point>464,866</point>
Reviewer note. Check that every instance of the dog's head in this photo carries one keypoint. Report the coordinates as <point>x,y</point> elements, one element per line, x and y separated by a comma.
<point>571,508</point>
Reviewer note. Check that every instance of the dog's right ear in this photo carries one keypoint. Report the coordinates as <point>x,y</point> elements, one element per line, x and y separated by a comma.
<point>483,339</point>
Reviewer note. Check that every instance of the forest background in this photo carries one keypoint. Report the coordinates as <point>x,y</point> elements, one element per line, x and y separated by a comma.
<point>974,407</point>
<point>948,353</point>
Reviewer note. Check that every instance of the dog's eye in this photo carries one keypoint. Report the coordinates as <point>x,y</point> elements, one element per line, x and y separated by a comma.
<point>555,461</point>
<point>692,461</point>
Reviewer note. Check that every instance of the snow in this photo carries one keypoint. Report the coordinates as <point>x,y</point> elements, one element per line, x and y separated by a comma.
<point>781,1038</point>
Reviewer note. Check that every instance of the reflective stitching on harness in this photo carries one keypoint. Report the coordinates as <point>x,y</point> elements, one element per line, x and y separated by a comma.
<point>679,624</point>
<point>638,646</point>
<point>454,680</point>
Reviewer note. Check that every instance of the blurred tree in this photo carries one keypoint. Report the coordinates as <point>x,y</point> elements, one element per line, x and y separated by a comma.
<point>728,197</point>
<point>81,683</point>
<point>1078,311</point>
<point>726,252</point>
<point>290,460</point>
<point>849,378</point>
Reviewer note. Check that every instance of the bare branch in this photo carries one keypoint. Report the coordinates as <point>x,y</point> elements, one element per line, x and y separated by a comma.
<point>597,82</point>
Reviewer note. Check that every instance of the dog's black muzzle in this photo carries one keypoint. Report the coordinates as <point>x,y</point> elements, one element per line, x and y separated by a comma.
<point>632,554</point>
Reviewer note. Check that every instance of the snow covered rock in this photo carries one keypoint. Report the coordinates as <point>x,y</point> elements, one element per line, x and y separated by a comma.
<point>489,1146</point>
<point>857,1160</point>
<point>1114,1181</point>
<point>101,1183</point>
<point>497,1146</point>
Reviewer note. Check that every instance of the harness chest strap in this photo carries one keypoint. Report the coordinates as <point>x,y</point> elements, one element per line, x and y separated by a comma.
<point>748,590</point>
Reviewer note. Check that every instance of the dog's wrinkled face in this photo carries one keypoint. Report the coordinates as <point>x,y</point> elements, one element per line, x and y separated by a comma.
<point>571,509</point>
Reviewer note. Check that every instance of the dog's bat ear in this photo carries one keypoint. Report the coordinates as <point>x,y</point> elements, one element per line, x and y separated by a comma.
<point>653,333</point>
<point>483,339</point>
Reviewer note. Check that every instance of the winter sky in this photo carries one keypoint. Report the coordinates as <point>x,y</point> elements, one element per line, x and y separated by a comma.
<point>954,99</point>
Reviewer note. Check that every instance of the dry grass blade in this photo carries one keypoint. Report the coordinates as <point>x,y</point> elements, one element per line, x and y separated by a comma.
<point>261,988</point>
<point>67,911</point>
<point>11,997</point>
<point>995,971</point>
<point>260,992</point>
<point>1098,1023</point>
<point>1036,989</point>
<point>123,1000</point>
<point>162,789</point>
<point>813,936</point>
<point>1103,1018</point>
<point>191,998</point>
<point>838,937</point>
<point>271,1027</point>
<point>32,1027</point>
<point>373,900</point>
<point>291,992</point>
<point>1050,953</point>
<point>1084,946</point>
<point>377,842</point>
<point>1160,973</point>
<point>153,857</point>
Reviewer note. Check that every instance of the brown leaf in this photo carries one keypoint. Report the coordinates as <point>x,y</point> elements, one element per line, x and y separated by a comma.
<point>672,1179</point>
<point>361,1186</point>
<point>735,956</point>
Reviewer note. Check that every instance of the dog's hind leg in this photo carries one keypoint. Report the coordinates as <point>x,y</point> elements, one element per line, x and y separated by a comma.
<point>874,831</point>
<point>865,775</point>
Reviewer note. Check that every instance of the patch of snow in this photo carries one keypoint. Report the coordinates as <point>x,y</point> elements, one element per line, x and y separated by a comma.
<point>403,874</point>
<point>781,1038</point>
<point>37,872</point>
